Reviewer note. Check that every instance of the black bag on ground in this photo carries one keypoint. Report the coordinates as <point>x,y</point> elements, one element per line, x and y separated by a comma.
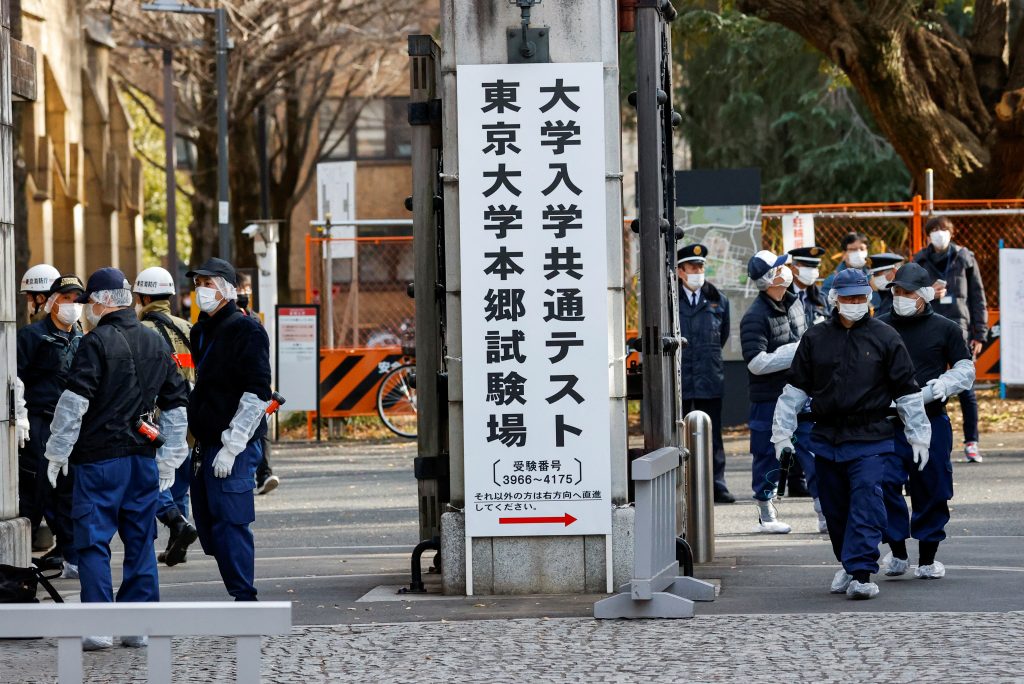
<point>19,585</point>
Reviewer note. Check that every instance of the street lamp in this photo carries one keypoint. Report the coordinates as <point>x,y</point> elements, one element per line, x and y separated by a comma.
<point>223,194</point>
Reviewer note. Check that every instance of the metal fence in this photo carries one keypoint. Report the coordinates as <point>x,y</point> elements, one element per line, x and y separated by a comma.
<point>369,302</point>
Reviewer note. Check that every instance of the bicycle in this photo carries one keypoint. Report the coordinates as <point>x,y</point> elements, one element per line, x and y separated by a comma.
<point>396,400</point>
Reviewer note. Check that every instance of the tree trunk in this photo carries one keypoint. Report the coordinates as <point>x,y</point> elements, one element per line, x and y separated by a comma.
<point>949,103</point>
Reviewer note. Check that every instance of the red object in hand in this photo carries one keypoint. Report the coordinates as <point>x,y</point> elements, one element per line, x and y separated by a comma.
<point>276,400</point>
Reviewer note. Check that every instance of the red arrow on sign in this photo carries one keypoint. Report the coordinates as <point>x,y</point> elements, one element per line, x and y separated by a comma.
<point>566,519</point>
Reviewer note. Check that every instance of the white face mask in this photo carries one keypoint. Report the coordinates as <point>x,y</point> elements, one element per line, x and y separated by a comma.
<point>879,282</point>
<point>940,238</point>
<point>904,306</point>
<point>857,258</point>
<point>92,316</point>
<point>807,275</point>
<point>694,281</point>
<point>68,313</point>
<point>786,275</point>
<point>853,312</point>
<point>207,297</point>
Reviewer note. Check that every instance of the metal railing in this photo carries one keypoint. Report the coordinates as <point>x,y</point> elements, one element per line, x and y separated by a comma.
<point>700,495</point>
<point>656,590</point>
<point>69,622</point>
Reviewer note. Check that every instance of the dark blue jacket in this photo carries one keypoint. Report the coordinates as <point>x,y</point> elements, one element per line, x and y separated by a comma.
<point>706,329</point>
<point>963,284</point>
<point>231,353</point>
<point>45,353</point>
<point>815,307</point>
<point>765,327</point>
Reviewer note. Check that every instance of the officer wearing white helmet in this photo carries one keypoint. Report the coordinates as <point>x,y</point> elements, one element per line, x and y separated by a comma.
<point>35,285</point>
<point>154,288</point>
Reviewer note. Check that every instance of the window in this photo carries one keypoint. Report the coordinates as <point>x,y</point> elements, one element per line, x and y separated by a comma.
<point>381,129</point>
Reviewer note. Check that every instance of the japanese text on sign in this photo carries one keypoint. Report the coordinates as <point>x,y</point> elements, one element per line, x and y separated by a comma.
<point>534,299</point>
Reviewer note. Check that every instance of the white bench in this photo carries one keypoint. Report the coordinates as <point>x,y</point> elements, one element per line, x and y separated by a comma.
<point>69,622</point>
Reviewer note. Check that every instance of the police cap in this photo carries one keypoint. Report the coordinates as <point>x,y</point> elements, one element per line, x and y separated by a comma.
<point>883,262</point>
<point>807,255</point>
<point>67,283</point>
<point>695,252</point>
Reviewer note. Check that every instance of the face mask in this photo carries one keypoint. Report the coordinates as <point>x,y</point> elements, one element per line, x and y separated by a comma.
<point>857,259</point>
<point>69,313</point>
<point>243,301</point>
<point>904,306</point>
<point>806,275</point>
<point>92,316</point>
<point>787,278</point>
<point>940,239</point>
<point>879,282</point>
<point>853,312</point>
<point>207,297</point>
<point>694,281</point>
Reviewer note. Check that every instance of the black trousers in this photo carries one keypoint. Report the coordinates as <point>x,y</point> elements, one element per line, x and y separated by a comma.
<point>712,407</point>
<point>36,498</point>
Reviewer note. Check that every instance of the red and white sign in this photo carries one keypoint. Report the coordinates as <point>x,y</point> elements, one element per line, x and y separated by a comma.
<point>298,356</point>
<point>797,231</point>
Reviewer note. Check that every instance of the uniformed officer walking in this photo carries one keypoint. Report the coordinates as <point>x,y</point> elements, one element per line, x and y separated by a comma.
<point>35,285</point>
<point>227,418</point>
<point>154,288</point>
<point>960,297</point>
<point>852,368</point>
<point>104,426</point>
<point>881,271</point>
<point>46,350</point>
<point>704,323</point>
<point>769,333</point>
<point>943,367</point>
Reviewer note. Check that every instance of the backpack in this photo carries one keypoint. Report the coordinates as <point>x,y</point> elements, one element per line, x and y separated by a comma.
<point>19,585</point>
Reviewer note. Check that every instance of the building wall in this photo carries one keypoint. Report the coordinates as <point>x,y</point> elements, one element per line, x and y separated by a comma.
<point>84,187</point>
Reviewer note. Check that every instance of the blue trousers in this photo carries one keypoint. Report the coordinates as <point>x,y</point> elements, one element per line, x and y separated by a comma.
<point>930,490</point>
<point>176,498</point>
<point>805,456</point>
<point>117,495</point>
<point>765,470</point>
<point>850,492</point>
<point>223,509</point>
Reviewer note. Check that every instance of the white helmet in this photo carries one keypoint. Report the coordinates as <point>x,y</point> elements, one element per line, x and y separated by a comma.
<point>154,281</point>
<point>39,278</point>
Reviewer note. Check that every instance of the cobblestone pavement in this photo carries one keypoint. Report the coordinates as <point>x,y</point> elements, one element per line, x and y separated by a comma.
<point>839,647</point>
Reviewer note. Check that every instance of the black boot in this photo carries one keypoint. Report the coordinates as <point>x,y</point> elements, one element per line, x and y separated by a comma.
<point>182,535</point>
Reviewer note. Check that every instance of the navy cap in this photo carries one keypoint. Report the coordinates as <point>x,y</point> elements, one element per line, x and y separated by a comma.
<point>764,261</point>
<point>911,277</point>
<point>108,278</point>
<point>67,283</point>
<point>851,282</point>
<point>809,255</point>
<point>883,262</point>
<point>694,252</point>
<point>214,267</point>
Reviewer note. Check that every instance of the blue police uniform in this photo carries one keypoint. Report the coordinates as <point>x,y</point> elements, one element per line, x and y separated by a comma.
<point>232,355</point>
<point>45,354</point>
<point>935,343</point>
<point>119,369</point>
<point>766,326</point>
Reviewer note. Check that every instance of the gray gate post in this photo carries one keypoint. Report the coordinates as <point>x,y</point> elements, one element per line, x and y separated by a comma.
<point>700,511</point>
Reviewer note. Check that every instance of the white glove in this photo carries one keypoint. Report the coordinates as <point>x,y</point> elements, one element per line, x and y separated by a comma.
<point>165,470</point>
<point>53,469</point>
<point>926,396</point>
<point>782,446</point>
<point>223,462</point>
<point>21,425</point>
<point>21,433</point>
<point>938,389</point>
<point>920,455</point>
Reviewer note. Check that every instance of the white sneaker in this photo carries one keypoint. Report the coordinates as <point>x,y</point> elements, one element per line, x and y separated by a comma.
<point>972,453</point>
<point>95,643</point>
<point>69,572</point>
<point>894,567</point>
<point>822,523</point>
<point>862,590</point>
<point>840,582</point>
<point>768,520</point>
<point>934,571</point>
<point>134,641</point>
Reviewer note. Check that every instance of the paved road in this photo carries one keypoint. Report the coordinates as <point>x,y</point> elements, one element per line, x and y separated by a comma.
<point>344,522</point>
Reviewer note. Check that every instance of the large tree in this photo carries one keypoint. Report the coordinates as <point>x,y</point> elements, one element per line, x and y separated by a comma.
<point>948,97</point>
<point>309,63</point>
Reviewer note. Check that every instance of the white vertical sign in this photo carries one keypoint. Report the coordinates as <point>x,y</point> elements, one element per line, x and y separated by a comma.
<point>1011,316</point>
<point>797,231</point>
<point>534,299</point>
<point>298,363</point>
<point>336,195</point>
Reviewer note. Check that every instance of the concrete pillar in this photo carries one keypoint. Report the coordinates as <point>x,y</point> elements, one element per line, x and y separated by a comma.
<point>78,226</point>
<point>580,31</point>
